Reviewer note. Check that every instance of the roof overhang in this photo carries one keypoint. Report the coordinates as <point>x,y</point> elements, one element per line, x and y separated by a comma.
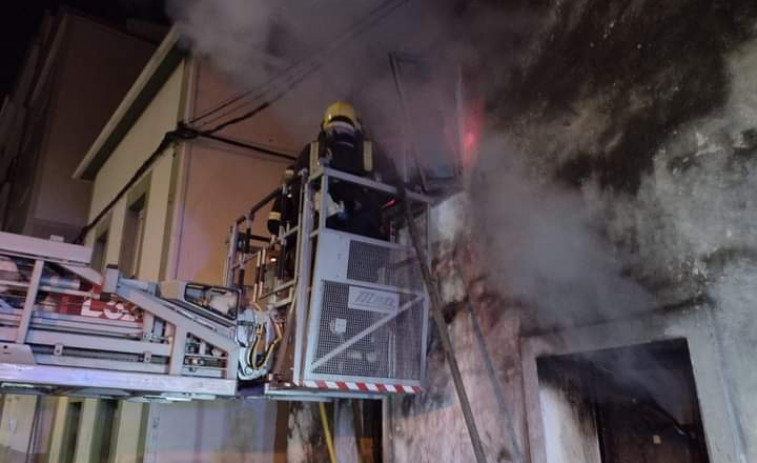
<point>157,71</point>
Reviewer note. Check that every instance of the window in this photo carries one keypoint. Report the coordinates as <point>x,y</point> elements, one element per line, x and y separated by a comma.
<point>634,403</point>
<point>99,250</point>
<point>102,444</point>
<point>133,237</point>
<point>71,431</point>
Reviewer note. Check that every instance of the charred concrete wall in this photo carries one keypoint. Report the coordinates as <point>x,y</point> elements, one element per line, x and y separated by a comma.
<point>430,427</point>
<point>617,187</point>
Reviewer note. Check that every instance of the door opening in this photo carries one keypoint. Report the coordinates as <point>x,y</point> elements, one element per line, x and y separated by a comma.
<point>634,404</point>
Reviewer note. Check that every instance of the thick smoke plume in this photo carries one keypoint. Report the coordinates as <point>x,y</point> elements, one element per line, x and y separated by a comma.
<point>594,141</point>
<point>314,53</point>
<point>543,247</point>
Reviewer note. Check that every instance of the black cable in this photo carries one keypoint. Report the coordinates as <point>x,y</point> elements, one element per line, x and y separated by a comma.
<point>248,114</point>
<point>182,132</point>
<point>371,18</point>
<point>240,144</point>
<point>317,60</point>
<point>168,139</point>
<point>188,133</point>
<point>220,106</point>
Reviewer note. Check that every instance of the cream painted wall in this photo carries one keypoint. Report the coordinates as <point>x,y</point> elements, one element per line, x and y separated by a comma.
<point>222,182</point>
<point>115,232</point>
<point>222,431</point>
<point>160,116</point>
<point>83,450</point>
<point>56,439</point>
<point>16,426</point>
<point>269,127</point>
<point>216,184</point>
<point>127,438</point>
<point>155,221</point>
<point>114,223</point>
<point>222,185</point>
<point>128,433</point>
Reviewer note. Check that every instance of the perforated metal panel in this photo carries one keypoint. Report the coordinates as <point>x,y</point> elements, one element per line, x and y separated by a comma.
<point>391,351</point>
<point>382,265</point>
<point>368,313</point>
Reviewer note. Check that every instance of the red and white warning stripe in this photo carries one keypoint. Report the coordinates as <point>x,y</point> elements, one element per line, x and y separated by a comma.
<point>363,387</point>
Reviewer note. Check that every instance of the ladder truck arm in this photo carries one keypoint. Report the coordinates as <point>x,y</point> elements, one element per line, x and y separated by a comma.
<point>65,328</point>
<point>318,311</point>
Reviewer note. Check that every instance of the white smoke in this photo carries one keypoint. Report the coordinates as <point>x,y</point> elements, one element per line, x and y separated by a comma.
<point>543,246</point>
<point>317,52</point>
<point>543,243</point>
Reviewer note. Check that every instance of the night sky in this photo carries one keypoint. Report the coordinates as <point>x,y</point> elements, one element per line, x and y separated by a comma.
<point>21,18</point>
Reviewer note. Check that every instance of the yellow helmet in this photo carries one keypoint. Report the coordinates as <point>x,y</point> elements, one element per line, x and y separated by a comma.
<point>340,111</point>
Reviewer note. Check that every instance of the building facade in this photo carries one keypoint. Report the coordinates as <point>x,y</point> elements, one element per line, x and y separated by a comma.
<point>165,216</point>
<point>75,73</point>
<point>158,218</point>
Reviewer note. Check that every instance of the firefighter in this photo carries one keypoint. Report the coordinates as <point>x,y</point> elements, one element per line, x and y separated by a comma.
<point>341,144</point>
<point>283,204</point>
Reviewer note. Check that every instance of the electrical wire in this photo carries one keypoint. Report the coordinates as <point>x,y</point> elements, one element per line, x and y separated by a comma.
<point>171,137</point>
<point>168,140</point>
<point>181,133</point>
<point>291,76</point>
<point>250,113</point>
<point>247,145</point>
<point>356,29</point>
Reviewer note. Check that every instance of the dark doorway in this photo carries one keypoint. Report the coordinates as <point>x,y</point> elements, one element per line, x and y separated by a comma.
<point>635,404</point>
<point>71,430</point>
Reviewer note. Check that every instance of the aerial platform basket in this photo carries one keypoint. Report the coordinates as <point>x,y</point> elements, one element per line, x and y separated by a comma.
<point>355,307</point>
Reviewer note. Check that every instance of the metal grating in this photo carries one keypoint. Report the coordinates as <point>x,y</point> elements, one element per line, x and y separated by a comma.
<point>392,351</point>
<point>383,265</point>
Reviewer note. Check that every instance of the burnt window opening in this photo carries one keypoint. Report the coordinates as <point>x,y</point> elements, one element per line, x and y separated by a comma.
<point>632,404</point>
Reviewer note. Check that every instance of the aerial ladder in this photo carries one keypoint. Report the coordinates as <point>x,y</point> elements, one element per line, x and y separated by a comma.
<point>311,313</point>
<point>67,329</point>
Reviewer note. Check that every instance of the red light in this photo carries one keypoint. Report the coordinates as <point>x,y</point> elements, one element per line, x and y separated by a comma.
<point>470,140</point>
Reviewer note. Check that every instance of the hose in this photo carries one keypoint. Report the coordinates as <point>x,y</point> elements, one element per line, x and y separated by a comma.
<point>269,350</point>
<point>327,432</point>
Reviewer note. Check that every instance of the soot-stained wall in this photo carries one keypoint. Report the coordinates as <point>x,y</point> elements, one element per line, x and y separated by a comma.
<point>616,180</point>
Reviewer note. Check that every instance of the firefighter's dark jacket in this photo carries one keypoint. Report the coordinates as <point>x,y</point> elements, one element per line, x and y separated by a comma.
<point>359,158</point>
